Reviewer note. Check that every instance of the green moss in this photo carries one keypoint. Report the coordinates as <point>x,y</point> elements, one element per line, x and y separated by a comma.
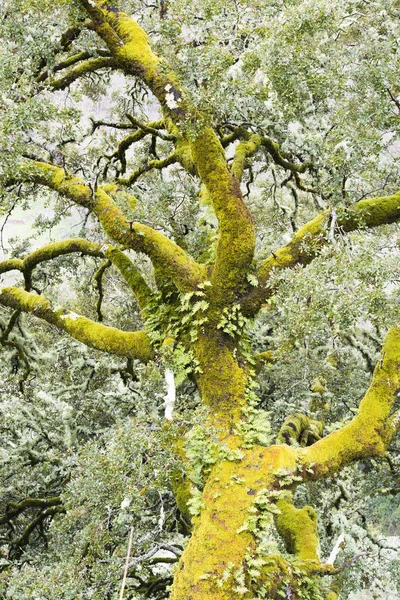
<point>310,238</point>
<point>372,212</point>
<point>88,66</point>
<point>300,250</point>
<point>216,547</point>
<point>299,428</point>
<point>11,264</point>
<point>54,249</point>
<point>244,150</point>
<point>221,381</point>
<point>167,256</point>
<point>136,50</point>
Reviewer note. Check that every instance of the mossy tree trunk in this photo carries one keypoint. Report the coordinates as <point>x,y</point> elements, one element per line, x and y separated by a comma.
<point>248,493</point>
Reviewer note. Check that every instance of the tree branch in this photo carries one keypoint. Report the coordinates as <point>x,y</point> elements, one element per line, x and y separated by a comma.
<point>163,252</point>
<point>370,431</point>
<point>131,274</point>
<point>244,150</point>
<point>107,339</point>
<point>130,47</point>
<point>49,252</point>
<point>89,66</point>
<point>14,509</point>
<point>298,528</point>
<point>310,238</point>
<point>153,164</point>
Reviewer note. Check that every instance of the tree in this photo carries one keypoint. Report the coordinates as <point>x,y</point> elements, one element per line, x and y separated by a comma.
<point>248,94</point>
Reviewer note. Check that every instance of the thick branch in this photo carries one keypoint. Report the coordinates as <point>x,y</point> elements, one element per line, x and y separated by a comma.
<point>236,241</point>
<point>130,47</point>
<point>126,267</point>
<point>243,152</point>
<point>163,252</point>
<point>131,274</point>
<point>310,238</point>
<point>49,252</point>
<point>370,431</point>
<point>108,339</point>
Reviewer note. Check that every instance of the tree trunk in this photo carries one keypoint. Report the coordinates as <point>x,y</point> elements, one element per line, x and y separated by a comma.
<point>214,564</point>
<point>232,552</point>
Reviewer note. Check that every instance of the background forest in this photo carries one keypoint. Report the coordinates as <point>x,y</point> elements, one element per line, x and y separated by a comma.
<point>87,460</point>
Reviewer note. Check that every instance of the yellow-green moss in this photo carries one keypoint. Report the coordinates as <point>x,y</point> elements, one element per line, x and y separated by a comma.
<point>301,429</point>
<point>178,266</point>
<point>221,381</point>
<point>235,248</point>
<point>108,339</point>
<point>54,249</point>
<point>300,249</point>
<point>243,151</point>
<point>136,50</point>
<point>88,66</point>
<point>215,545</point>
<point>312,236</point>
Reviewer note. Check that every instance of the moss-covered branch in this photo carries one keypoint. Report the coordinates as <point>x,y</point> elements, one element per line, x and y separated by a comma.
<point>370,431</point>
<point>37,521</point>
<point>251,142</point>
<point>153,128</point>
<point>88,66</point>
<point>115,256</point>
<point>131,274</point>
<point>281,159</point>
<point>236,241</point>
<point>49,252</point>
<point>310,238</point>
<point>123,146</point>
<point>108,339</point>
<point>130,47</point>
<point>244,150</point>
<point>13,509</point>
<point>175,264</point>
